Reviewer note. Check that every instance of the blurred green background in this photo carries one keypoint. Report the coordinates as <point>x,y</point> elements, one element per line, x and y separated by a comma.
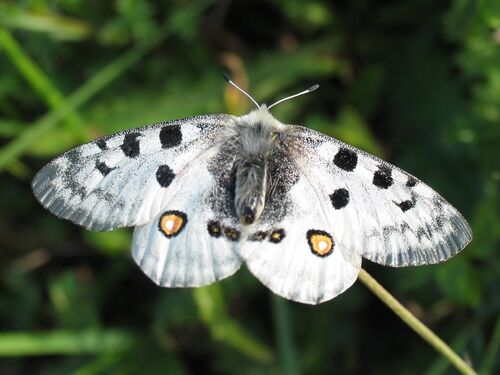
<point>416,82</point>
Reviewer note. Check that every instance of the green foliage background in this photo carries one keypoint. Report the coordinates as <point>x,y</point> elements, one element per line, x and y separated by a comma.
<point>416,82</point>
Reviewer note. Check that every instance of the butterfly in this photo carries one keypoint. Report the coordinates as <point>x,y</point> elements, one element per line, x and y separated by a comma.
<point>209,193</point>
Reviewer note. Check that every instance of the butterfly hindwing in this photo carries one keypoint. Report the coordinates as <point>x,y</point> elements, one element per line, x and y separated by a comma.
<point>295,249</point>
<point>121,180</point>
<point>188,243</point>
<point>393,218</point>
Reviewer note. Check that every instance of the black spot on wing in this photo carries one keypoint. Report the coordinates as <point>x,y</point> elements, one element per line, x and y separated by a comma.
<point>277,236</point>
<point>339,198</point>
<point>130,146</point>
<point>101,143</point>
<point>382,178</point>
<point>73,156</point>
<point>164,175</point>
<point>170,136</point>
<point>231,234</point>
<point>103,168</point>
<point>214,228</point>
<point>346,159</point>
<point>258,236</point>
<point>411,182</point>
<point>407,204</point>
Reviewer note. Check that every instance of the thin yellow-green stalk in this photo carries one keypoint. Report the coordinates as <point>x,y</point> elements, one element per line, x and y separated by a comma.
<point>415,324</point>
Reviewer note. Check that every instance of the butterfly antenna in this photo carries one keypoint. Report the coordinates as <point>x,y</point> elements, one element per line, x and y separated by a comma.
<point>310,89</point>
<point>226,77</point>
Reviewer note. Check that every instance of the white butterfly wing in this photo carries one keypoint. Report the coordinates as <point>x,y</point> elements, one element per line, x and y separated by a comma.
<point>191,241</point>
<point>393,218</point>
<point>122,180</point>
<point>295,248</point>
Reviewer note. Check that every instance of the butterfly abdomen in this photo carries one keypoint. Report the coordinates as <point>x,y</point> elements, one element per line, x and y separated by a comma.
<point>250,189</point>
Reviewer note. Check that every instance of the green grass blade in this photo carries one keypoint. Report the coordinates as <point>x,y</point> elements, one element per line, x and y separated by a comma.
<point>53,24</point>
<point>38,80</point>
<point>63,342</point>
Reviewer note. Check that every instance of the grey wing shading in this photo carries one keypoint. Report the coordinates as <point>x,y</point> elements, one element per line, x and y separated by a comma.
<point>295,249</point>
<point>193,240</point>
<point>125,179</point>
<point>390,217</point>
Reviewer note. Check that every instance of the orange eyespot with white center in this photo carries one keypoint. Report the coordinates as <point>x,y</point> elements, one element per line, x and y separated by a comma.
<point>172,223</point>
<point>320,242</point>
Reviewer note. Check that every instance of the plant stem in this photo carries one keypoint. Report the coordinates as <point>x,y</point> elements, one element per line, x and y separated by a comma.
<point>415,324</point>
<point>441,364</point>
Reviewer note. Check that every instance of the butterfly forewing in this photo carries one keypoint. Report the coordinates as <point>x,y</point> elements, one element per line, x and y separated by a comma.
<point>122,180</point>
<point>393,218</point>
